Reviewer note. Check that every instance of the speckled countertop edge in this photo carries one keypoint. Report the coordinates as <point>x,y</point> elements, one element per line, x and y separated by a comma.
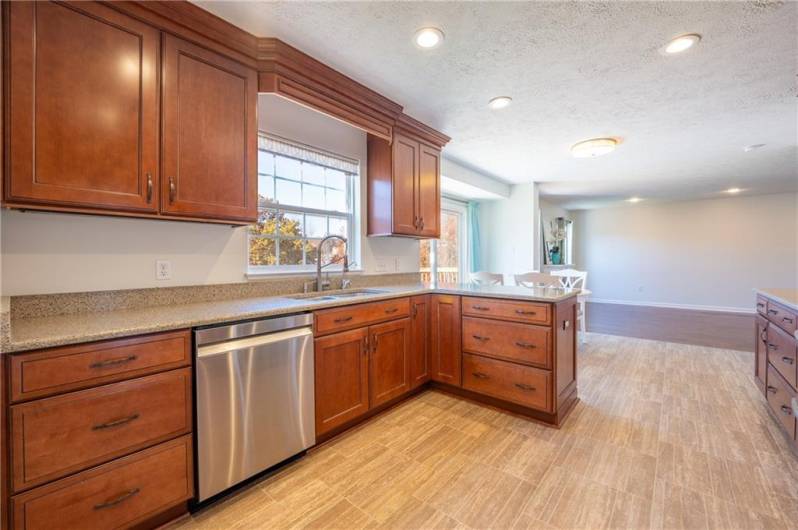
<point>45,332</point>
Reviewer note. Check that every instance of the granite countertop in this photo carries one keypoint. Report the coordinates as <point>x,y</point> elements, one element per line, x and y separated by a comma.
<point>34,333</point>
<point>786,297</point>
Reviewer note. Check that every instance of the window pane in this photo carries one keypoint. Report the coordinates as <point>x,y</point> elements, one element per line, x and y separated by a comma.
<point>425,246</point>
<point>289,192</point>
<point>338,226</point>
<point>265,188</point>
<point>265,163</point>
<point>313,174</point>
<point>313,197</point>
<point>315,226</point>
<point>261,252</point>
<point>336,179</point>
<point>447,245</point>
<point>336,200</point>
<point>291,225</point>
<point>291,251</point>
<point>266,225</point>
<point>311,248</point>
<point>288,168</point>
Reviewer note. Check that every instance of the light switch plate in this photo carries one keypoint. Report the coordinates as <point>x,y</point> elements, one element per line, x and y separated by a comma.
<point>163,269</point>
<point>381,266</point>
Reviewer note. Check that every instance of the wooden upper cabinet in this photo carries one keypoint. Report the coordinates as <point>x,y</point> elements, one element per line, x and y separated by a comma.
<point>83,108</point>
<point>403,187</point>
<point>209,153</point>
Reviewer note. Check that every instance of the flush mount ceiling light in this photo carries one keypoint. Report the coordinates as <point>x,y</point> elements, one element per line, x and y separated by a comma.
<point>500,102</point>
<point>594,147</point>
<point>733,191</point>
<point>634,199</point>
<point>753,147</point>
<point>682,43</point>
<point>428,38</point>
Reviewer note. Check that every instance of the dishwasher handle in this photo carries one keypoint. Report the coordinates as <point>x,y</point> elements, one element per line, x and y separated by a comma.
<point>221,348</point>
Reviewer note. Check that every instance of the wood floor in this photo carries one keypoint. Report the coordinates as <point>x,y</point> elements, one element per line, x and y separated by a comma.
<point>666,436</point>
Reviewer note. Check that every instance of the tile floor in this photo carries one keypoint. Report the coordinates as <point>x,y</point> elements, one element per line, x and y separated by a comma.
<point>665,436</point>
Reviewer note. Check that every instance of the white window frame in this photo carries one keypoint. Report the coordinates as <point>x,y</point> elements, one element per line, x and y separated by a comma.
<point>461,209</point>
<point>302,153</point>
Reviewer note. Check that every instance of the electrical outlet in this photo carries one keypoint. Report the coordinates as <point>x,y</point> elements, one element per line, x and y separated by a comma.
<point>163,269</point>
<point>381,266</point>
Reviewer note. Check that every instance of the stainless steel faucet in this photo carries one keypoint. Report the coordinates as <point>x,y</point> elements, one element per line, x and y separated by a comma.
<point>320,285</point>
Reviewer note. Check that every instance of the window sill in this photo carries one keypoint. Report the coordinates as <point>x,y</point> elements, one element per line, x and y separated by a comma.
<point>263,275</point>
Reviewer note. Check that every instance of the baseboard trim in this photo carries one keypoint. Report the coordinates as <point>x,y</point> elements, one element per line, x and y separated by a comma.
<point>690,307</point>
<point>717,329</point>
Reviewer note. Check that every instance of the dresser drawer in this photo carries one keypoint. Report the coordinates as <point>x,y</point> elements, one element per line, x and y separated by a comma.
<point>509,381</point>
<point>53,437</point>
<point>355,316</point>
<point>782,317</point>
<point>780,397</point>
<point>781,349</point>
<point>522,343</point>
<point>531,312</point>
<point>58,370</point>
<point>116,495</point>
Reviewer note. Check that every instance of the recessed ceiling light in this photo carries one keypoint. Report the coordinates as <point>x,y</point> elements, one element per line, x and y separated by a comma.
<point>734,190</point>
<point>634,199</point>
<point>682,43</point>
<point>500,102</point>
<point>428,37</point>
<point>594,147</point>
<point>753,147</point>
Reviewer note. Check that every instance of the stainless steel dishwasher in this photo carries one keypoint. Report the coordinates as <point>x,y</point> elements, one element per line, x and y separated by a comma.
<point>255,398</point>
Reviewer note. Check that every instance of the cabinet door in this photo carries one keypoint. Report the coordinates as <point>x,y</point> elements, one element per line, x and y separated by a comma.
<point>429,195</point>
<point>210,139</point>
<point>761,352</point>
<point>389,372</point>
<point>405,182</point>
<point>419,340</point>
<point>342,379</point>
<point>83,108</point>
<point>445,354</point>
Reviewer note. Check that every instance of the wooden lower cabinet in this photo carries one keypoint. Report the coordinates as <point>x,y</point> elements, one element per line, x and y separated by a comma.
<point>761,352</point>
<point>419,340</point>
<point>446,339</point>
<point>342,378</point>
<point>527,386</point>
<point>389,367</point>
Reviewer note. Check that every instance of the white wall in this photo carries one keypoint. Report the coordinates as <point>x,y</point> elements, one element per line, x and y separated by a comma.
<point>702,254</point>
<point>508,232</point>
<point>50,253</point>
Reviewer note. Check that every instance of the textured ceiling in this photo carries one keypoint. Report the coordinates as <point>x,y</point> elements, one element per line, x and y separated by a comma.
<point>575,71</point>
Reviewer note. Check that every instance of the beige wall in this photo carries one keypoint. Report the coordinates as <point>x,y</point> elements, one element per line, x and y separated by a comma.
<point>50,253</point>
<point>705,254</point>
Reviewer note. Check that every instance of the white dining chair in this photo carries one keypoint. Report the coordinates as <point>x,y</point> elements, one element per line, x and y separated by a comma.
<point>575,279</point>
<point>487,278</point>
<point>536,279</point>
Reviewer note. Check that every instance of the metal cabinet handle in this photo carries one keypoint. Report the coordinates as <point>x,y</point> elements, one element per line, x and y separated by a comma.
<point>113,362</point>
<point>566,324</point>
<point>772,312</point>
<point>772,346</point>
<point>480,337</point>
<point>525,345</point>
<point>391,310</point>
<point>788,360</point>
<point>149,187</point>
<point>172,189</point>
<point>786,410</point>
<point>760,304</point>
<point>772,389</point>
<point>480,375</point>
<point>787,319</point>
<point>365,345</point>
<point>115,423</point>
<point>122,498</point>
<point>374,343</point>
<point>342,320</point>
<point>422,223</point>
<point>524,386</point>
<point>525,312</point>
<point>414,310</point>
<point>480,308</point>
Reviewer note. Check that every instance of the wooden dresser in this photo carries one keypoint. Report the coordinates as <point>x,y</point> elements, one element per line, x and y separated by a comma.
<point>99,434</point>
<point>776,366</point>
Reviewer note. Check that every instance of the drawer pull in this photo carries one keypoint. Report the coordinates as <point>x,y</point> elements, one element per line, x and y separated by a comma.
<point>113,362</point>
<point>391,310</point>
<point>760,304</point>
<point>525,345</point>
<point>479,375</point>
<point>772,346</point>
<point>772,389</point>
<point>122,498</point>
<point>480,337</point>
<point>787,319</point>
<point>342,320</point>
<point>772,312</point>
<point>480,308</point>
<point>786,410</point>
<point>788,360</point>
<point>523,386</point>
<point>115,423</point>
<point>525,312</point>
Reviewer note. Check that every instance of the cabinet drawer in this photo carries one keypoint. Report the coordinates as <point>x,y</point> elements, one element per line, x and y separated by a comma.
<point>780,397</point>
<point>513,382</point>
<point>782,354</point>
<point>115,495</point>
<point>782,317</point>
<point>56,436</point>
<point>761,305</point>
<point>531,312</point>
<point>507,340</point>
<point>58,370</point>
<point>355,316</point>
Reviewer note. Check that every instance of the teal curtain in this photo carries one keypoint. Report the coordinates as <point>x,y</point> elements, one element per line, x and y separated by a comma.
<point>474,249</point>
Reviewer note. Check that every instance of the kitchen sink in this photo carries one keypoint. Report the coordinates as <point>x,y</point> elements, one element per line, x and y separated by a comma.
<point>318,297</point>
